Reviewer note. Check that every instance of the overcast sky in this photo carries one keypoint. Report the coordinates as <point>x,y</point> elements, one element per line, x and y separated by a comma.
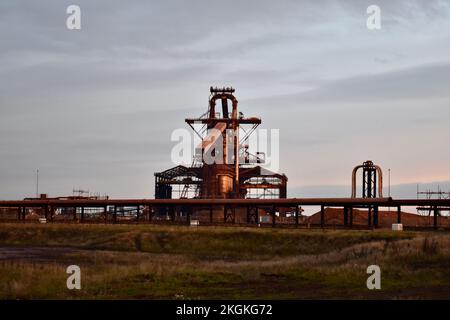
<point>94,108</point>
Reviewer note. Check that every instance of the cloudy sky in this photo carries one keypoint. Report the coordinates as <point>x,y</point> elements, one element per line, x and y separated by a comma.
<point>94,108</point>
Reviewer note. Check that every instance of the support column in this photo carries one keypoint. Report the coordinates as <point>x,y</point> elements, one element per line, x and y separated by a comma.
<point>399,214</point>
<point>435,217</point>
<point>322,216</point>
<point>82,214</point>
<point>351,216</point>
<point>172,213</point>
<point>74,213</point>
<point>138,213</point>
<point>229,214</point>
<point>188,216</point>
<point>369,216</point>
<point>345,216</point>
<point>19,212</point>
<point>252,214</point>
<point>296,215</point>
<point>115,214</point>
<point>105,212</point>
<point>150,213</point>
<point>273,216</point>
<point>375,216</point>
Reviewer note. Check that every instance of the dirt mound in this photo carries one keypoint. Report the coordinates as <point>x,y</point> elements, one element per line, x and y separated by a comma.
<point>335,216</point>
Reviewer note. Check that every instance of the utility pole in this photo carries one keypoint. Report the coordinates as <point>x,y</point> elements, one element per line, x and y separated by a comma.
<point>389,182</point>
<point>389,186</point>
<point>37,183</point>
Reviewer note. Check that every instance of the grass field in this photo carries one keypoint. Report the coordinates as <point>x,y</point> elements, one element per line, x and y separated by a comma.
<point>178,262</point>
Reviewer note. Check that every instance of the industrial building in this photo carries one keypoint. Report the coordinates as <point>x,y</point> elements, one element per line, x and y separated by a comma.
<point>234,188</point>
<point>238,175</point>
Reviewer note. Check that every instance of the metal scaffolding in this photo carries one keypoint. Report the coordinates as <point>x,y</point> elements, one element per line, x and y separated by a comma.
<point>238,175</point>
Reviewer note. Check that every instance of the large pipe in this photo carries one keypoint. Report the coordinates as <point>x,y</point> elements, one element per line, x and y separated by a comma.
<point>380,179</point>
<point>355,169</point>
<point>383,202</point>
<point>224,107</point>
<point>224,96</point>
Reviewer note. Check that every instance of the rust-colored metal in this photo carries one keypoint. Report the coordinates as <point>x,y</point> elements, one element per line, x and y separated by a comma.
<point>181,210</point>
<point>288,202</point>
<point>369,170</point>
<point>233,178</point>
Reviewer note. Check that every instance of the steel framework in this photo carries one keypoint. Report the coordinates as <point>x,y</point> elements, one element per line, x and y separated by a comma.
<point>238,175</point>
<point>145,210</point>
<point>371,174</point>
<point>429,194</point>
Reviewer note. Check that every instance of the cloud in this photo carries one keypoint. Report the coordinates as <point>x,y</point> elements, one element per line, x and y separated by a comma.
<point>95,108</point>
<point>423,82</point>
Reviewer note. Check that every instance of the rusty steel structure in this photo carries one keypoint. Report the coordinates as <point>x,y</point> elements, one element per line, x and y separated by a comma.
<point>221,191</point>
<point>183,211</point>
<point>371,174</point>
<point>429,210</point>
<point>372,187</point>
<point>222,166</point>
<point>145,210</point>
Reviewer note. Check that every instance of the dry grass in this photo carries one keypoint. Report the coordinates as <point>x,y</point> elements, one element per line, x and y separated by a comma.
<point>155,262</point>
